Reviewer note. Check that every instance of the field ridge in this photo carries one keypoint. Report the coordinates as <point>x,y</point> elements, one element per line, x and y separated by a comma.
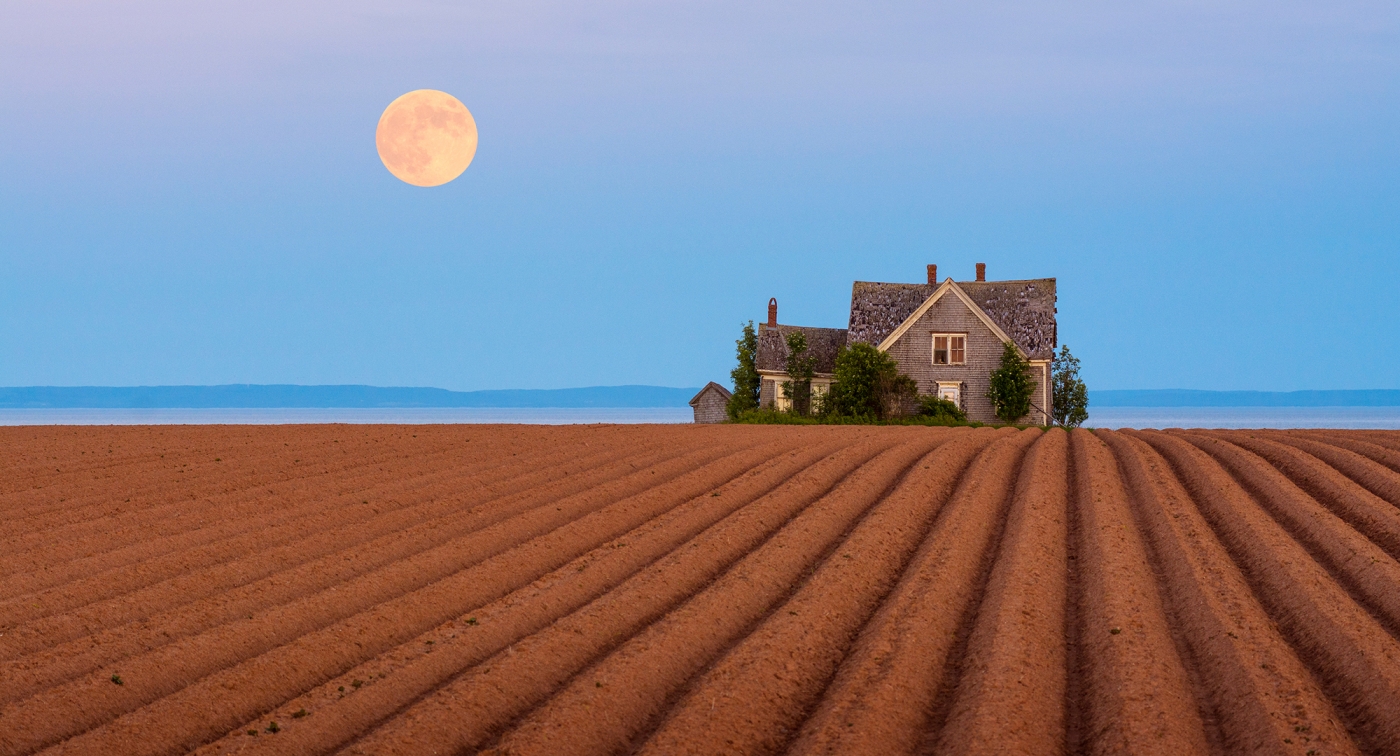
<point>697,590</point>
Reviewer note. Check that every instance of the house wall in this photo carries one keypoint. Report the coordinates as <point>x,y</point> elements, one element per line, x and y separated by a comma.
<point>914,353</point>
<point>710,408</point>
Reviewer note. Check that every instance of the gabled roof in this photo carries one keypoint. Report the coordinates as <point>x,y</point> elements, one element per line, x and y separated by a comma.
<point>711,386</point>
<point>822,343</point>
<point>1023,311</point>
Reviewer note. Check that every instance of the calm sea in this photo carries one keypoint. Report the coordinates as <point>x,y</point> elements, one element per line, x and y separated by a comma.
<point>1108,417</point>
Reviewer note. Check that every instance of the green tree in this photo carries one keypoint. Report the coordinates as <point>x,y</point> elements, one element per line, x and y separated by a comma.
<point>1071,396</point>
<point>1012,385</point>
<point>868,384</point>
<point>801,368</point>
<point>746,380</point>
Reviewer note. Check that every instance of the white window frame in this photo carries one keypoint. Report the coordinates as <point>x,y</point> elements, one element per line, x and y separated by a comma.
<point>955,387</point>
<point>933,351</point>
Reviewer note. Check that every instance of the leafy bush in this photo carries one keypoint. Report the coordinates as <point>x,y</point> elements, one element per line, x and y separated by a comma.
<point>771,416</point>
<point>1012,386</point>
<point>746,379</point>
<point>940,408</point>
<point>775,417</point>
<point>857,374</point>
<point>1071,396</point>
<point>868,384</point>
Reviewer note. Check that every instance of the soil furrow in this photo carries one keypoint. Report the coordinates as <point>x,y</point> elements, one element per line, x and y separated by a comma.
<point>247,667</point>
<point>881,695</point>
<point>1368,473</point>
<point>1383,439</point>
<point>221,515</point>
<point>1137,694</point>
<point>1371,575</point>
<point>1367,513</point>
<point>473,707</point>
<point>753,695</point>
<point>449,447</point>
<point>126,594</point>
<point>409,559</point>
<point>1257,693</point>
<point>1076,702</point>
<point>698,589</point>
<point>93,647</point>
<point>1381,455</point>
<point>91,507</point>
<point>78,518</point>
<point>1357,661</point>
<point>1010,698</point>
<point>417,668</point>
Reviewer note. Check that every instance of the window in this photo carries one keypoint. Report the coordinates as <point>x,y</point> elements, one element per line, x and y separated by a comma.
<point>949,349</point>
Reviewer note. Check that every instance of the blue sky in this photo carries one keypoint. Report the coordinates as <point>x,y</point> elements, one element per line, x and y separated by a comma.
<point>189,192</point>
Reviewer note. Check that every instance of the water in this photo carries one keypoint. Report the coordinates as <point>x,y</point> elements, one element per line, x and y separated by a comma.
<point>1244,417</point>
<point>1107,417</point>
<point>411,415</point>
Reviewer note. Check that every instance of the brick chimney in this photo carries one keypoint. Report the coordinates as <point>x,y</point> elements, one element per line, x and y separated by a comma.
<point>981,271</point>
<point>773,312</point>
<point>933,274</point>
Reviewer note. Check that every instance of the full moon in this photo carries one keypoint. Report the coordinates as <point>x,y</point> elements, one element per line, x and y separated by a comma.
<point>426,137</point>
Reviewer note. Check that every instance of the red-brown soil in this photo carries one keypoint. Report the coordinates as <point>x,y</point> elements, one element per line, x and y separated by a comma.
<point>698,590</point>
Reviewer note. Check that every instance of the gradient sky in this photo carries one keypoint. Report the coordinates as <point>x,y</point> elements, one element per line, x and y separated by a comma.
<point>189,192</point>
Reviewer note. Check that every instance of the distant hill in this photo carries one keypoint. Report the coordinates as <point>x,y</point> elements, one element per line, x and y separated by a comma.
<point>1191,398</point>
<point>288,396</point>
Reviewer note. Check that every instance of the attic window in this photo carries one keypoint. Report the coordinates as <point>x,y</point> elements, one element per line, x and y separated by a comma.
<point>949,349</point>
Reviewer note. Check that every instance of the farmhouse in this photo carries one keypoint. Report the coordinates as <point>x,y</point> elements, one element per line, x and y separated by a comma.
<point>947,336</point>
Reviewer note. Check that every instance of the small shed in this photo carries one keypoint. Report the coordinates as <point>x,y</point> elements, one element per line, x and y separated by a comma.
<point>709,404</point>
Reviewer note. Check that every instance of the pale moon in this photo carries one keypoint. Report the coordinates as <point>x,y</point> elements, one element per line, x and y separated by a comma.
<point>426,137</point>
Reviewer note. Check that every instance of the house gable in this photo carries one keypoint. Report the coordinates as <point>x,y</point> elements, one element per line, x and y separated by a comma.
<point>946,312</point>
<point>711,403</point>
<point>947,287</point>
<point>1023,310</point>
<point>723,393</point>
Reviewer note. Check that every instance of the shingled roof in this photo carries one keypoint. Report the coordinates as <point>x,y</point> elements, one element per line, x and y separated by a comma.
<point>1025,310</point>
<point>822,343</point>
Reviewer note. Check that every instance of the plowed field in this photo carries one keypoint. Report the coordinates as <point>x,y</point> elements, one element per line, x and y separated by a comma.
<point>698,590</point>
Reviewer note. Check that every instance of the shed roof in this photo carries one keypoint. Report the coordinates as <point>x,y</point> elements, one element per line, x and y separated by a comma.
<point>711,386</point>
<point>1025,310</point>
<point>822,344</point>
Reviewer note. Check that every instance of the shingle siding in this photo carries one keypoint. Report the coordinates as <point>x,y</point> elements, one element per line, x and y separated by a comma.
<point>710,408</point>
<point>914,353</point>
<point>1024,310</point>
<point>711,403</point>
